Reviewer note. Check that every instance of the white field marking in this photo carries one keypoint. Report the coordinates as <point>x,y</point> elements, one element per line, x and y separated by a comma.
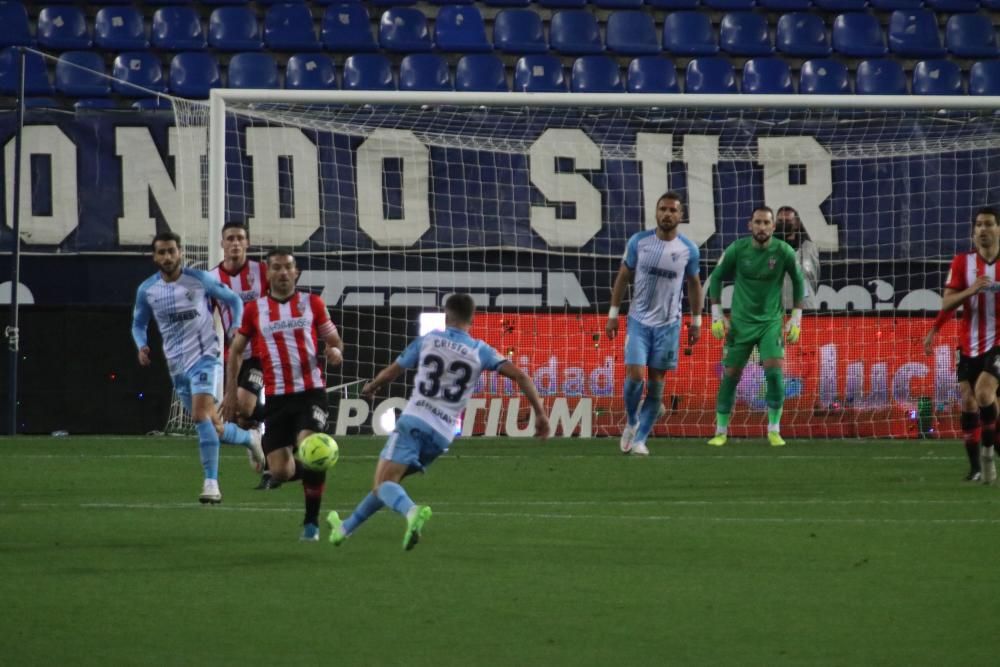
<point>543,516</point>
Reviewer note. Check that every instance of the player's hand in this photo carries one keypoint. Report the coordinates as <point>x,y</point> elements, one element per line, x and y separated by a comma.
<point>981,283</point>
<point>929,342</point>
<point>694,333</point>
<point>334,355</point>
<point>541,425</point>
<point>144,356</point>
<point>793,327</point>
<point>228,408</point>
<point>719,328</point>
<point>368,391</point>
<point>611,328</point>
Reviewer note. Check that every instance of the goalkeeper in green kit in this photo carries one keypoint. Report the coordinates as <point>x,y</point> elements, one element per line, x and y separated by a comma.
<point>756,266</point>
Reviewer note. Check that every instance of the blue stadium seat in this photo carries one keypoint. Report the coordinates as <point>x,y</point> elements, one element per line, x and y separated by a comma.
<point>461,29</point>
<point>745,34</point>
<point>392,3</point>
<point>82,74</point>
<point>632,33</point>
<point>452,2</point>
<point>368,71</point>
<point>937,77</point>
<point>859,35</point>
<point>952,6</point>
<point>424,71</point>
<point>84,104</point>
<point>177,29</point>
<point>785,5</point>
<point>346,28</point>
<point>823,76</point>
<point>404,30</point>
<point>136,73</point>
<point>481,72</point>
<point>673,4</point>
<point>507,3</point>
<point>652,74</point>
<point>971,36</point>
<point>712,74</point>
<point>289,27</point>
<point>563,4</point>
<point>880,76</point>
<point>890,5</point>
<point>596,74</point>
<point>119,29</point>
<point>36,75</point>
<point>539,74</point>
<point>62,27</point>
<point>152,104</point>
<point>841,5</point>
<point>990,4</point>
<point>689,34</point>
<point>618,4</point>
<point>913,33</point>
<point>194,74</point>
<point>16,28</point>
<point>802,34</point>
<point>233,29</point>
<point>519,31</point>
<point>252,70</point>
<point>729,5</point>
<point>767,76</point>
<point>575,32</point>
<point>984,78</point>
<point>310,71</point>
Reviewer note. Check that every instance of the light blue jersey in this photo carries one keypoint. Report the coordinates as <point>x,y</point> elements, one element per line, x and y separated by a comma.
<point>660,269</point>
<point>183,313</point>
<point>448,365</point>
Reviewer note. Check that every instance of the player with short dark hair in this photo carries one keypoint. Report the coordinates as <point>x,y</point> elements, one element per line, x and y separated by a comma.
<point>248,278</point>
<point>661,261</point>
<point>448,364</point>
<point>756,265</point>
<point>181,300</point>
<point>285,327</point>
<point>973,284</point>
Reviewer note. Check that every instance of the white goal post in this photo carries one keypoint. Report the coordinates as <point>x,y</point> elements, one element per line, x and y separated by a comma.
<point>392,200</point>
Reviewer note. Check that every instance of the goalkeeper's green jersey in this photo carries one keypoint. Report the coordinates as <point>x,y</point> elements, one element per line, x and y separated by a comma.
<point>757,274</point>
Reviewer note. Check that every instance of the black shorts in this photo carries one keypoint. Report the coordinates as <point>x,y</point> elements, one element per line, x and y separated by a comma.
<point>969,368</point>
<point>288,414</point>
<point>251,376</point>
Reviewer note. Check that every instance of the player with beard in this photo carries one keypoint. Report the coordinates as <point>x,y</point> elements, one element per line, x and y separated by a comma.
<point>756,265</point>
<point>788,227</point>
<point>660,261</point>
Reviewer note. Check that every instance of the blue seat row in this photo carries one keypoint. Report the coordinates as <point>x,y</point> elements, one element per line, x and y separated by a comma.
<point>948,6</point>
<point>140,74</point>
<point>461,29</point>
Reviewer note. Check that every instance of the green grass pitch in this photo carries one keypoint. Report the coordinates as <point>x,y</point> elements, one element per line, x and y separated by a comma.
<point>562,553</point>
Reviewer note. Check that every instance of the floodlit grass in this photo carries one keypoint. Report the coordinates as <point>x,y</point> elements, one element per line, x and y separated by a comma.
<point>563,553</point>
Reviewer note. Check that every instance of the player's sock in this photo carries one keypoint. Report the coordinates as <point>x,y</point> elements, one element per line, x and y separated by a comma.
<point>208,443</point>
<point>313,483</point>
<point>774,394</point>
<point>724,401</point>
<point>988,420</point>
<point>394,497</point>
<point>365,509</point>
<point>234,435</point>
<point>971,434</point>
<point>650,410</point>
<point>633,394</point>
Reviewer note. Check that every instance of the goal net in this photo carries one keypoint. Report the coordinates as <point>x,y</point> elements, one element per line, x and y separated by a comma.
<point>394,201</point>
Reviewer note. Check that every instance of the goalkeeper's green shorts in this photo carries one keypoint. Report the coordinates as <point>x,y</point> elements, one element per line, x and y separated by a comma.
<point>742,337</point>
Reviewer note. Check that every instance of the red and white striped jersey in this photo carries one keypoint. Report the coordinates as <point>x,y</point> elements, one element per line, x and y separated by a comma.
<point>980,313</point>
<point>284,336</point>
<point>250,283</point>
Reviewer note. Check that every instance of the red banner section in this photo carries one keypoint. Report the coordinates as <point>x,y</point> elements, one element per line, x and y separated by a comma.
<point>854,376</point>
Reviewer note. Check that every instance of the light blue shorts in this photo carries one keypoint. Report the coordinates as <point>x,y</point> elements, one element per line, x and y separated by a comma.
<point>205,377</point>
<point>414,444</point>
<point>655,347</point>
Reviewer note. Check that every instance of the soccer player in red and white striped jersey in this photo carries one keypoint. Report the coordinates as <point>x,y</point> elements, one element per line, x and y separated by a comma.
<point>248,278</point>
<point>284,329</point>
<point>973,284</point>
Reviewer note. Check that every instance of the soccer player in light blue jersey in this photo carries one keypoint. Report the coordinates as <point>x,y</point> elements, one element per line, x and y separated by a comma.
<point>448,364</point>
<point>660,261</point>
<point>181,301</point>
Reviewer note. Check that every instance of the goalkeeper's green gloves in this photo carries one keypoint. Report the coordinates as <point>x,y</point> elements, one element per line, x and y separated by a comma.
<point>718,322</point>
<point>793,327</point>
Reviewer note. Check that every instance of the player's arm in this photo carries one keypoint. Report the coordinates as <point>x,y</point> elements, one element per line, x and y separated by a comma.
<point>527,386</point>
<point>386,376</point>
<point>327,330</point>
<point>233,365</point>
<point>722,271</point>
<point>224,295</point>
<point>622,281</point>
<point>953,298</point>
<point>695,292</point>
<point>141,314</point>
